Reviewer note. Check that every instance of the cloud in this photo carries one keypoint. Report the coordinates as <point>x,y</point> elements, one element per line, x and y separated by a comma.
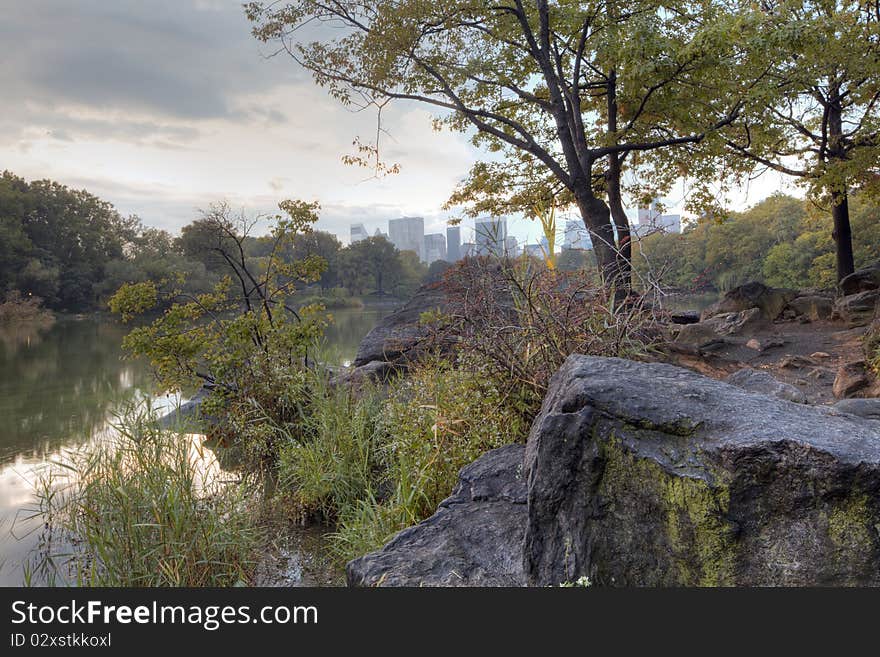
<point>164,107</point>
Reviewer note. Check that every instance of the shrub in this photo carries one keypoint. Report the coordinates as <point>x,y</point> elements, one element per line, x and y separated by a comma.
<point>521,320</point>
<point>244,340</point>
<point>18,308</point>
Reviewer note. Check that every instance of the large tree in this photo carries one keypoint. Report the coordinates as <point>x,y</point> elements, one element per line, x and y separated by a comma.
<point>543,83</point>
<point>818,120</point>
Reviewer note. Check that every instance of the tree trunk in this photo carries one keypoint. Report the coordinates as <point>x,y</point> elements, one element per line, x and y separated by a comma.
<point>597,219</point>
<point>839,201</point>
<point>621,224</point>
<point>622,280</point>
<point>842,235</point>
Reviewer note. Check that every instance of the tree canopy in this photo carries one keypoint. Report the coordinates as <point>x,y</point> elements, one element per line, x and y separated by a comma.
<point>563,90</point>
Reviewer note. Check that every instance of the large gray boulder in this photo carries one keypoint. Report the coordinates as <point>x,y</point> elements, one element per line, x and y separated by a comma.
<point>474,539</point>
<point>649,474</point>
<point>399,337</point>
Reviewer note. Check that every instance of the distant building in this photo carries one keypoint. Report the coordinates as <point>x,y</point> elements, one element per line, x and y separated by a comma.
<point>435,247</point>
<point>534,251</point>
<point>408,234</point>
<point>358,233</point>
<point>511,247</point>
<point>379,233</point>
<point>650,220</point>
<point>576,236</point>
<point>453,243</point>
<point>491,236</point>
<point>468,250</point>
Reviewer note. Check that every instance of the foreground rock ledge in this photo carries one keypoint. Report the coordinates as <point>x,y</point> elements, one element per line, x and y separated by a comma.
<point>474,539</point>
<point>649,474</point>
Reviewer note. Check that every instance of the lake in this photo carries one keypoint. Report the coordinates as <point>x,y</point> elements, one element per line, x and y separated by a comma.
<point>60,387</point>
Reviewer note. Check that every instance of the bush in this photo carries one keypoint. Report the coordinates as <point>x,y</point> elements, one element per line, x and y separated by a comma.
<point>336,298</point>
<point>520,320</point>
<point>145,507</point>
<point>17,308</point>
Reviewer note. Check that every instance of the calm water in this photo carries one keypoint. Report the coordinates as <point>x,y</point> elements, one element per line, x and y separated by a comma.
<point>59,388</point>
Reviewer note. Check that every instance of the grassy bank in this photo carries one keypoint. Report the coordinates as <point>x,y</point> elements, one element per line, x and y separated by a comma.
<point>145,507</point>
<point>375,464</point>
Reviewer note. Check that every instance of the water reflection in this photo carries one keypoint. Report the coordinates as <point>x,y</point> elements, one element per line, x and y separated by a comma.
<point>348,329</point>
<point>59,387</point>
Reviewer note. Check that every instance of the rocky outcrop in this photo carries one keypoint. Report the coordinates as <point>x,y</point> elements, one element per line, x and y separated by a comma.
<point>725,324</point>
<point>187,415</point>
<point>766,384</point>
<point>770,301</point>
<point>474,539</point>
<point>857,309</point>
<point>861,280</point>
<point>812,306</point>
<point>400,336</point>
<point>649,474</point>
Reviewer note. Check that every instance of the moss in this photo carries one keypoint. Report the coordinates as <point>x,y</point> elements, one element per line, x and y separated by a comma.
<point>700,545</point>
<point>851,525</point>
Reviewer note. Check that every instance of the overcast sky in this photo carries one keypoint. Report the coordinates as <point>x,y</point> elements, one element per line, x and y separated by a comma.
<point>165,106</point>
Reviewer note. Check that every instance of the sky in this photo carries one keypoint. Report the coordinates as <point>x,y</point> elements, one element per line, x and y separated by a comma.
<point>163,107</point>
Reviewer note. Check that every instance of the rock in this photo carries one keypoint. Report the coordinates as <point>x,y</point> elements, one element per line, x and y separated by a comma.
<point>721,325</point>
<point>648,474</point>
<point>764,383</point>
<point>376,371</point>
<point>820,354</point>
<point>861,280</point>
<point>754,344</point>
<point>399,336</point>
<point>867,408</point>
<point>852,378</point>
<point>684,317</point>
<point>188,414</point>
<point>474,539</point>
<point>795,362</point>
<point>771,301</point>
<point>813,306</point>
<point>857,309</point>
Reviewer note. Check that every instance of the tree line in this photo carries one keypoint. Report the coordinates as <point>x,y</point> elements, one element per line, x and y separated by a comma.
<point>781,241</point>
<point>73,250</point>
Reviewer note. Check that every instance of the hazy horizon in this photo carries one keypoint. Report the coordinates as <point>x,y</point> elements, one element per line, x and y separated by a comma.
<point>163,108</point>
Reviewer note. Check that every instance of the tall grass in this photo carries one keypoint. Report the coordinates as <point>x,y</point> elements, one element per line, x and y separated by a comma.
<point>144,507</point>
<point>376,464</point>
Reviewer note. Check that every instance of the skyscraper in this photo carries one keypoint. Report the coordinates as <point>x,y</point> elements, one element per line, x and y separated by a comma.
<point>358,233</point>
<point>408,234</point>
<point>651,221</point>
<point>435,247</point>
<point>511,247</point>
<point>453,243</point>
<point>491,235</point>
